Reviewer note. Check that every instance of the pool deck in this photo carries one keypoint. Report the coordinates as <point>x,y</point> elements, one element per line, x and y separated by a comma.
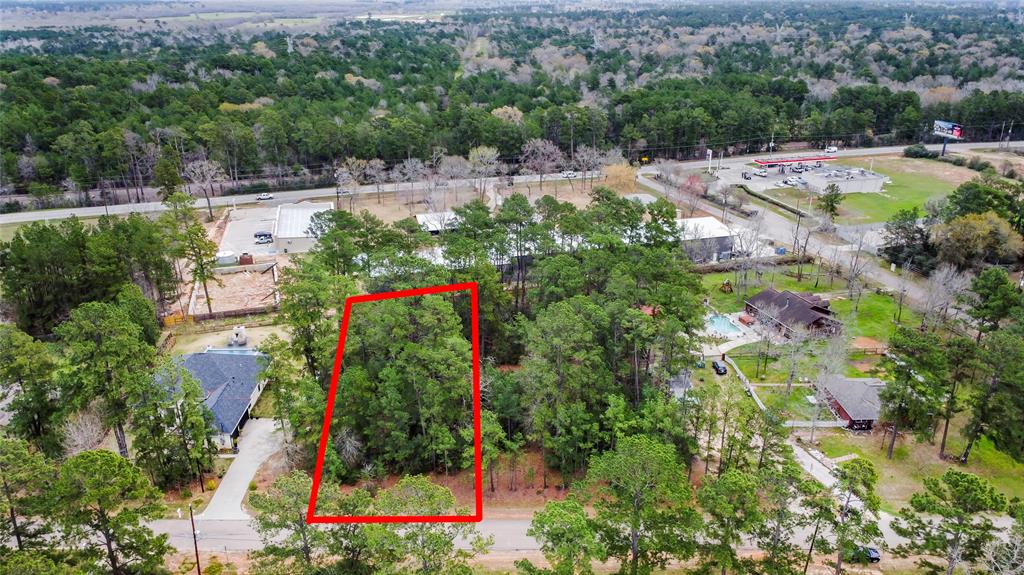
<point>746,335</point>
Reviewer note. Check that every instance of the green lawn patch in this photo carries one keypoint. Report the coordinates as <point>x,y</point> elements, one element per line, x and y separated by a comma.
<point>911,187</point>
<point>793,405</point>
<point>875,316</point>
<point>900,477</point>
<point>781,278</point>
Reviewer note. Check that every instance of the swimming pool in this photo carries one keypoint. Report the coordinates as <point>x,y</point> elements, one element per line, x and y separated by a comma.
<point>722,325</point>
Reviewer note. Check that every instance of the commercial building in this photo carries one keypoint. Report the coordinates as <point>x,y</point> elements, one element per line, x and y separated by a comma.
<point>291,226</point>
<point>706,239</point>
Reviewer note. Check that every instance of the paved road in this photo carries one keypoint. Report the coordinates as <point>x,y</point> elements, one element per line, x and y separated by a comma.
<point>259,440</point>
<point>239,535</point>
<point>298,195</point>
<point>279,198</point>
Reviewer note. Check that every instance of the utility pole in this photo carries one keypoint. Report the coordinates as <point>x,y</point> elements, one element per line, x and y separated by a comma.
<point>195,542</point>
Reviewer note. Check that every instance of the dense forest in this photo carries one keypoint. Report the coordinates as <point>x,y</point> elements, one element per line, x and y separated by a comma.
<point>79,115</point>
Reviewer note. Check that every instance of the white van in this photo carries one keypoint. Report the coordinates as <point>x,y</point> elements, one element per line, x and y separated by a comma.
<point>831,150</point>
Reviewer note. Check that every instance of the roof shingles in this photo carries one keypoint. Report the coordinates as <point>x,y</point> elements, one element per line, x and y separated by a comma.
<point>228,381</point>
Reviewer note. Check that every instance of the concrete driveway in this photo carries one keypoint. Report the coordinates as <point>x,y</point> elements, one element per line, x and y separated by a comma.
<point>259,440</point>
<point>244,222</point>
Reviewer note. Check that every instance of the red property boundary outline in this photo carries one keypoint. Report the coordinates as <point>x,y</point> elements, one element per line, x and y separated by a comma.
<point>478,476</point>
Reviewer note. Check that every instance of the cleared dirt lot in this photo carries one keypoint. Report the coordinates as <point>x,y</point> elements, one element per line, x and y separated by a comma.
<point>235,291</point>
<point>195,342</point>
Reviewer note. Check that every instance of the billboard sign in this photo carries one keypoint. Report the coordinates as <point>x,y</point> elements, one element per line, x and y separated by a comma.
<point>948,130</point>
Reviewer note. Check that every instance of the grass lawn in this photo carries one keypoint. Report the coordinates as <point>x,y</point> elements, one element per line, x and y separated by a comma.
<point>774,277</point>
<point>874,316</point>
<point>900,477</point>
<point>796,405</point>
<point>264,407</point>
<point>914,181</point>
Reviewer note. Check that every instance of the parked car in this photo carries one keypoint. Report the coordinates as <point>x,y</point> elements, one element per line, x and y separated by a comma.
<point>800,181</point>
<point>789,181</point>
<point>831,150</point>
<point>798,169</point>
<point>264,196</point>
<point>761,172</point>
<point>863,554</point>
<point>264,240</point>
<point>568,174</point>
<point>719,367</point>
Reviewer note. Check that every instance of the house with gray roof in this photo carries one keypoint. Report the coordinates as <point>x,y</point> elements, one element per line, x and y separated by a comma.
<point>855,400</point>
<point>232,383</point>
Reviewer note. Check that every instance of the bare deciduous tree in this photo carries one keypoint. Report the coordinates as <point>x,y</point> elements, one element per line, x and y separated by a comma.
<point>83,431</point>
<point>588,161</point>
<point>541,157</point>
<point>945,286</point>
<point>483,162</point>
<point>747,247</point>
<point>204,173</point>
<point>343,184</point>
<point>855,274</point>
<point>831,363</point>
<point>411,170</point>
<point>1004,557</point>
<point>376,173</point>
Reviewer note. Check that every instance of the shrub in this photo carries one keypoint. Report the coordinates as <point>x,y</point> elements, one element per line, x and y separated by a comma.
<point>186,493</point>
<point>252,486</point>
<point>977,164</point>
<point>10,207</point>
<point>211,484</point>
<point>919,151</point>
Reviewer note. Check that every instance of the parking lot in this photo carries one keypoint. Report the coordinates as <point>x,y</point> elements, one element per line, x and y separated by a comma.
<point>243,223</point>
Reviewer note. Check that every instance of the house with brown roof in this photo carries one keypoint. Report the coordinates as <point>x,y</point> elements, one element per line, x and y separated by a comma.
<point>790,311</point>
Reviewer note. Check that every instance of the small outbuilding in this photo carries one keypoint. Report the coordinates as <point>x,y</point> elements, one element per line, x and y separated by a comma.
<point>292,226</point>
<point>855,400</point>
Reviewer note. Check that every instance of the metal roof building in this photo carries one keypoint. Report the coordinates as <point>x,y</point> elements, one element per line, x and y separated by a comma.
<point>437,222</point>
<point>291,227</point>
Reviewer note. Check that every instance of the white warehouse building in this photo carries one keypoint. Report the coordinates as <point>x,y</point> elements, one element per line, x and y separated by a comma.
<point>291,227</point>
<point>706,239</point>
